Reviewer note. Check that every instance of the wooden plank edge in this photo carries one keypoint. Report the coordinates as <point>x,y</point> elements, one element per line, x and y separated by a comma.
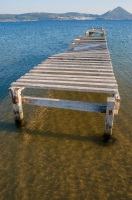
<point>66,88</point>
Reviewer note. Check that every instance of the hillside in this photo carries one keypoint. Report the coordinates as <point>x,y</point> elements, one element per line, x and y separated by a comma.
<point>116,14</point>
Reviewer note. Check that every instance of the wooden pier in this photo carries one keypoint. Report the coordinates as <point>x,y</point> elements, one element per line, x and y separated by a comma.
<point>85,67</point>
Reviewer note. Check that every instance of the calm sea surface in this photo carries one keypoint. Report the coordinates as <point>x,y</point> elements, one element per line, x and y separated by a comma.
<point>59,154</point>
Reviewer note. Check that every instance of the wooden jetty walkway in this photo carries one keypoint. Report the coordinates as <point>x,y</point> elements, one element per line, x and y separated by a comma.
<point>85,67</point>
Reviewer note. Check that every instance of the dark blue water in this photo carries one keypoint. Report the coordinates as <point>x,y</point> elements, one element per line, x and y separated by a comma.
<point>60,154</point>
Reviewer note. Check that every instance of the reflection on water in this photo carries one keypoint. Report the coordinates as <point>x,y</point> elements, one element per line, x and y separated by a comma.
<point>59,154</point>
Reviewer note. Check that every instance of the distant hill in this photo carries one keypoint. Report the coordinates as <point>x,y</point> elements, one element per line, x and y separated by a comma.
<point>116,14</point>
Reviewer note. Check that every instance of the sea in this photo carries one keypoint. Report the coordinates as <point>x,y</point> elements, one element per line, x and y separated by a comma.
<point>60,154</point>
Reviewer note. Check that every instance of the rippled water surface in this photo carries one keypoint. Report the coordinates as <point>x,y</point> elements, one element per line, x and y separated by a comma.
<point>59,154</point>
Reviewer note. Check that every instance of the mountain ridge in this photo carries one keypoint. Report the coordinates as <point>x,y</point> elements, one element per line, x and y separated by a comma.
<point>116,14</point>
<point>119,13</point>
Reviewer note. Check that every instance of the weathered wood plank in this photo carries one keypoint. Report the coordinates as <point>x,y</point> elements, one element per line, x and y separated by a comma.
<point>67,88</point>
<point>87,51</point>
<point>82,59</point>
<point>70,64</point>
<point>81,56</point>
<point>72,72</point>
<point>37,77</point>
<point>88,42</point>
<point>91,66</point>
<point>91,38</point>
<point>98,52</point>
<point>111,78</point>
<point>74,64</point>
<point>95,52</point>
<point>86,54</point>
<point>77,83</point>
<point>78,63</point>
<point>76,48</point>
<point>74,69</point>
<point>72,46</point>
<point>65,104</point>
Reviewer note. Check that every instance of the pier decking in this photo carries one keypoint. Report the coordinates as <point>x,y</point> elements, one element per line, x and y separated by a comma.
<point>85,67</point>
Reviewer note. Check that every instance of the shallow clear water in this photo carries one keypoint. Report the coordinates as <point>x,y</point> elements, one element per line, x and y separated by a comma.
<point>59,154</point>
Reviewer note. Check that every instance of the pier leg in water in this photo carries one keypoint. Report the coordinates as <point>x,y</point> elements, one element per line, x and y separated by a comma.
<point>109,121</point>
<point>15,94</point>
<point>117,103</point>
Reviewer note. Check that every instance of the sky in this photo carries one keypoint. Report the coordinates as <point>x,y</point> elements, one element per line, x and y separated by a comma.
<point>62,6</point>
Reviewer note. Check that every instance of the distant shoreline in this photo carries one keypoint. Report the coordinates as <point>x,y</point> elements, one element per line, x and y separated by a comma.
<point>115,14</point>
<point>63,20</point>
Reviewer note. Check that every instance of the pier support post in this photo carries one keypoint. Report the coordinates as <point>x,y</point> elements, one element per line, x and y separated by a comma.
<point>117,103</point>
<point>109,120</point>
<point>15,94</point>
